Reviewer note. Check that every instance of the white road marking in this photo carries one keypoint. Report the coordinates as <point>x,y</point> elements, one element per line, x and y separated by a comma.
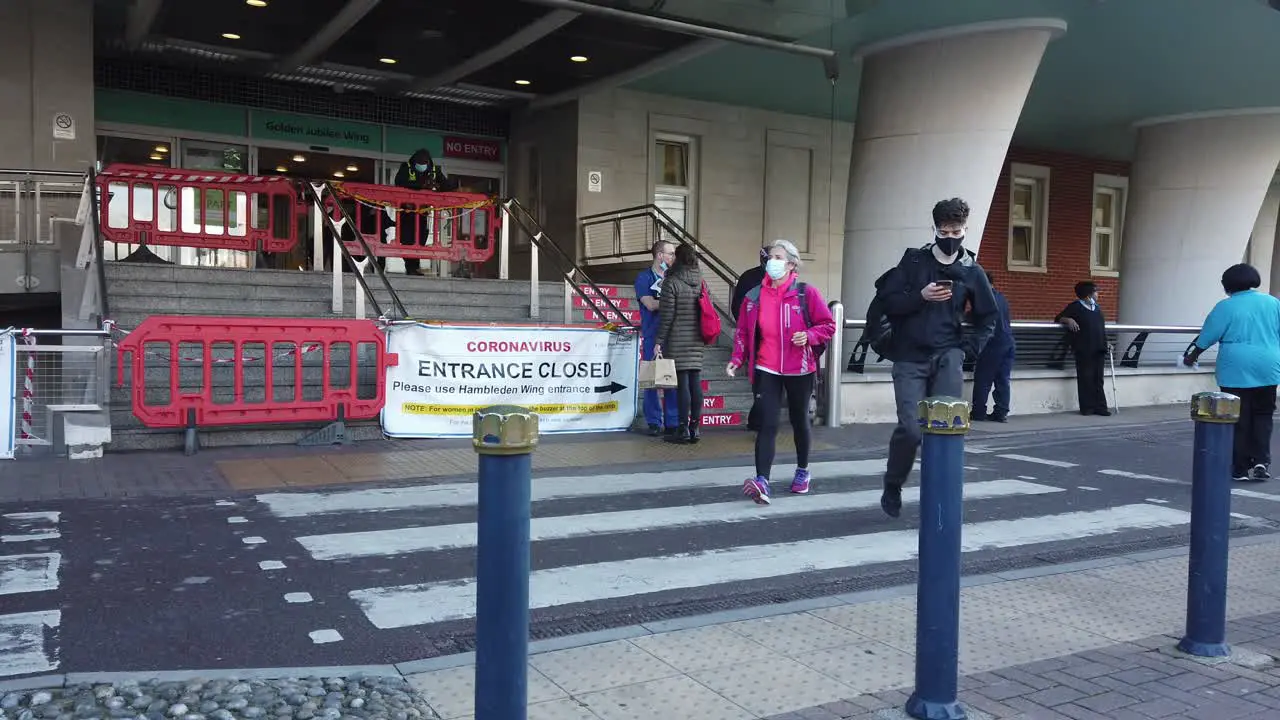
<point>320,637</point>
<point>237,520</point>
<point>255,540</point>
<point>1255,495</point>
<point>1140,476</point>
<point>1089,487</point>
<point>30,526</point>
<point>1157,501</point>
<point>1240,516</point>
<point>22,643</point>
<point>464,494</point>
<point>297,597</point>
<point>36,572</point>
<point>271,565</point>
<point>224,503</point>
<point>400,541</point>
<point>47,517</point>
<point>976,450</point>
<point>1025,477</point>
<point>408,605</point>
<point>1038,461</point>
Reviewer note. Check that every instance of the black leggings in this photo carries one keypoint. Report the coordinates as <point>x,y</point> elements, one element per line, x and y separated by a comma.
<point>769,389</point>
<point>689,396</point>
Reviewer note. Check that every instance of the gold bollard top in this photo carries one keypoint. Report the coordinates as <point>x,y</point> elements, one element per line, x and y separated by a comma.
<point>504,430</point>
<point>1215,407</point>
<point>944,416</point>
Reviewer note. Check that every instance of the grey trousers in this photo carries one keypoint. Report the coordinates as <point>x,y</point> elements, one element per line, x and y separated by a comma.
<point>913,382</point>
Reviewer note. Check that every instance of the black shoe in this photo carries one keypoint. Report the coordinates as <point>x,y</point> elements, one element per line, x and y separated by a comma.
<point>695,432</point>
<point>999,418</point>
<point>891,501</point>
<point>1103,412</point>
<point>671,431</point>
<point>678,437</point>
<point>979,418</point>
<point>654,431</point>
<point>1259,473</point>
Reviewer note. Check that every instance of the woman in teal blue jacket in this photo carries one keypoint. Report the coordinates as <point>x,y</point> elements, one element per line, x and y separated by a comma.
<point>1247,326</point>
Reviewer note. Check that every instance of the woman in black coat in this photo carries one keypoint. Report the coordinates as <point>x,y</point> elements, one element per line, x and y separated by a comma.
<point>679,338</point>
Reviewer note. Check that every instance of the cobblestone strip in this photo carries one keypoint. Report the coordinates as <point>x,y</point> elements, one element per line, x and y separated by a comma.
<point>1132,681</point>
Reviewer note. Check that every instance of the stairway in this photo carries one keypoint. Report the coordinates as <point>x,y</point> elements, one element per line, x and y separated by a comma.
<point>138,291</point>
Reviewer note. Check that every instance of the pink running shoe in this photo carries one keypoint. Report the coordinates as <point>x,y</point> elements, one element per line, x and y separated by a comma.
<point>757,489</point>
<point>800,485</point>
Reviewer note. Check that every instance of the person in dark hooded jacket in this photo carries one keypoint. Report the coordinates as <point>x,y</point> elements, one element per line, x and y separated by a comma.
<point>419,172</point>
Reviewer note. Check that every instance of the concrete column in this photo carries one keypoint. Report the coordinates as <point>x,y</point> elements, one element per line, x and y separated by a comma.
<point>1262,241</point>
<point>47,70</point>
<point>936,112</point>
<point>1196,188</point>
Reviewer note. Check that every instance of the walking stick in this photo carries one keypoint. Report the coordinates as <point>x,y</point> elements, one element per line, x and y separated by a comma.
<point>1111,357</point>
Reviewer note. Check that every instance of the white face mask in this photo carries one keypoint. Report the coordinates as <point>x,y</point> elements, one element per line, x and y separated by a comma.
<point>777,269</point>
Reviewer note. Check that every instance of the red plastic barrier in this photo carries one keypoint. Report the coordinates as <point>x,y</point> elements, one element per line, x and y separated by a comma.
<point>462,227</point>
<point>197,208</point>
<point>299,337</point>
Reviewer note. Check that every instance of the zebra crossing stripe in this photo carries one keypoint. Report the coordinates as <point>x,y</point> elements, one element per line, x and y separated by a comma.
<point>399,541</point>
<point>36,572</point>
<point>291,505</point>
<point>22,643</point>
<point>422,604</point>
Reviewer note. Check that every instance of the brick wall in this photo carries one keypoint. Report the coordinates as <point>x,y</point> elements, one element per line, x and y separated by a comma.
<point>1040,295</point>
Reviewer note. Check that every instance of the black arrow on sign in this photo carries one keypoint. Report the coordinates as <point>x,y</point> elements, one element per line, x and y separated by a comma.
<point>612,388</point>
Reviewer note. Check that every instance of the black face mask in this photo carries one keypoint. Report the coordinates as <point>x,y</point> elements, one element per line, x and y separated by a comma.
<point>948,245</point>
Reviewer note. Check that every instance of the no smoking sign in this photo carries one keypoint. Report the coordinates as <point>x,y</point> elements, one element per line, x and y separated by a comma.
<point>64,127</point>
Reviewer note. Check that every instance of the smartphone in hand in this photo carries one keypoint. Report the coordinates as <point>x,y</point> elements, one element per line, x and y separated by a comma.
<point>945,283</point>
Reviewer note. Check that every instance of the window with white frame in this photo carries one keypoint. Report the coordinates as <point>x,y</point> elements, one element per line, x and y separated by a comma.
<point>1028,217</point>
<point>675,179</point>
<point>1109,193</point>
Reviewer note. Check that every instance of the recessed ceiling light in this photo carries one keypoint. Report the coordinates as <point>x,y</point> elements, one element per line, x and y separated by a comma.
<point>339,174</point>
<point>579,58</point>
<point>156,156</point>
<point>388,61</point>
<point>231,36</point>
<point>523,82</point>
<point>281,168</point>
<point>352,168</point>
<point>256,3</point>
<point>299,158</point>
<point>162,149</point>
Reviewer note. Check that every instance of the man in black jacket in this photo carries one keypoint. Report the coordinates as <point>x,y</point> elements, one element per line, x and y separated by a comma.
<point>1087,333</point>
<point>924,298</point>
<point>748,280</point>
<point>420,172</point>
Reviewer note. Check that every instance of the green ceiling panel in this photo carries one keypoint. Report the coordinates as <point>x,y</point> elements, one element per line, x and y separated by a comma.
<point>1119,62</point>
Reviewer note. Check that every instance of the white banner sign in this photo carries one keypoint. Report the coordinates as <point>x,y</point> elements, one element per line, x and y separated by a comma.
<point>575,379</point>
<point>8,396</point>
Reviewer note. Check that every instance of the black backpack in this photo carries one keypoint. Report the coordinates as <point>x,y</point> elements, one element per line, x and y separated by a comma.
<point>878,332</point>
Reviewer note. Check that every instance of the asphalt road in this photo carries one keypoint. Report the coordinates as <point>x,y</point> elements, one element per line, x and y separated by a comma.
<point>366,576</point>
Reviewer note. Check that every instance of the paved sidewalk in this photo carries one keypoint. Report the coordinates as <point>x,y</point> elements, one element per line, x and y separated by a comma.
<point>1088,641</point>
<point>219,472</point>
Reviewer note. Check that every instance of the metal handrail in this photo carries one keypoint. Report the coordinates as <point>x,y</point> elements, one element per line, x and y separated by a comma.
<point>834,366</point>
<point>99,245</point>
<point>664,222</point>
<point>309,189</point>
<point>572,273</point>
<point>1041,325</point>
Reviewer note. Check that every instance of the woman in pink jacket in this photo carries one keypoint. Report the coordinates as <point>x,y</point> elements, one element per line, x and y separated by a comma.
<point>783,326</point>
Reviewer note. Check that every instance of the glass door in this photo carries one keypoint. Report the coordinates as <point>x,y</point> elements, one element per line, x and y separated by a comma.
<point>218,210</point>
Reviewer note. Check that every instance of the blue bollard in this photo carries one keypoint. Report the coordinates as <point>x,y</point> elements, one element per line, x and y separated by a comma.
<point>505,437</point>
<point>944,421</point>
<point>1215,415</point>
